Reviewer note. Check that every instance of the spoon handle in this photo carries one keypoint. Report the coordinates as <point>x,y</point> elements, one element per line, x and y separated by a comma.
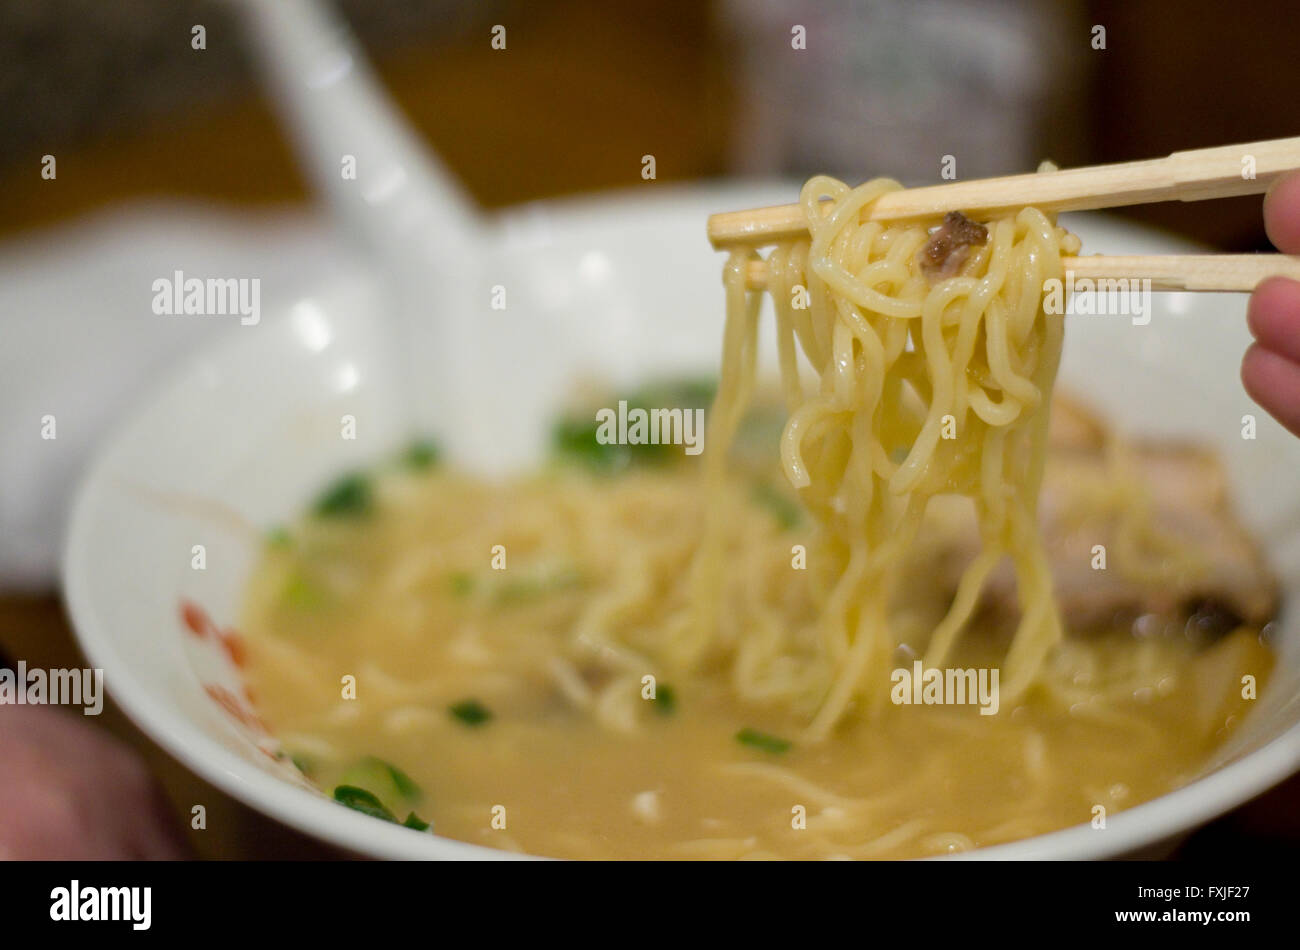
<point>386,188</point>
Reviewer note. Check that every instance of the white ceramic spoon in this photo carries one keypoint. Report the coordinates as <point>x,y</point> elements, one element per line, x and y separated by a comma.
<point>76,334</point>
<point>387,191</point>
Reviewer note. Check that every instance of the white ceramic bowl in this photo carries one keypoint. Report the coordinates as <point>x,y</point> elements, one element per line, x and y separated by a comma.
<point>623,287</point>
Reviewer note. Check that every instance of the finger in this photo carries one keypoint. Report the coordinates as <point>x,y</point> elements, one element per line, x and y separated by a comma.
<point>1282,213</point>
<point>1273,316</point>
<point>1274,382</point>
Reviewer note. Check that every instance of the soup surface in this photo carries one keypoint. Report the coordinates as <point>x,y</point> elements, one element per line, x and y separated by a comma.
<point>487,657</point>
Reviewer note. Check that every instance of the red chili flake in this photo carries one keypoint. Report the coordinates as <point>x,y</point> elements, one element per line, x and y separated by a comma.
<point>234,647</point>
<point>196,619</point>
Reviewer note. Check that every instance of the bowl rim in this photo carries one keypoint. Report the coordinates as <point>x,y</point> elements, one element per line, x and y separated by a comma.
<point>1161,818</point>
<point>1165,817</point>
<point>300,809</point>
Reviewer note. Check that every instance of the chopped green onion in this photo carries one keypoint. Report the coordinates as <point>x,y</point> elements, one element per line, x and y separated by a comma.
<point>389,784</point>
<point>674,394</point>
<point>462,583</point>
<point>358,799</point>
<point>471,712</point>
<point>574,440</point>
<point>350,495</point>
<point>761,740</point>
<point>421,456</point>
<point>665,700</point>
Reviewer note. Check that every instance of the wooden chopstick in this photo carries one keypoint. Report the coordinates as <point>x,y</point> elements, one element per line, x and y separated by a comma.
<point>1183,176</point>
<point>1191,272</point>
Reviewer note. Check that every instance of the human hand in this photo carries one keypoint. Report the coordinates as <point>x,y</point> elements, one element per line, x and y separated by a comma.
<point>1270,370</point>
<point>70,791</point>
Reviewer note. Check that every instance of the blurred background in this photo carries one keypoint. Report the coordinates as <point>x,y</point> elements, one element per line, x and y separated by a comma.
<point>582,91</point>
<point>710,88</point>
